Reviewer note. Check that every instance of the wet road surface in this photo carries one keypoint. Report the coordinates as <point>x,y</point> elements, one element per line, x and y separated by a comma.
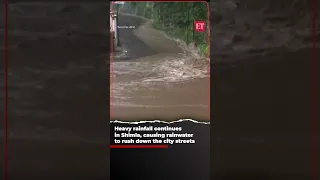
<point>58,90</point>
<point>153,77</point>
<point>262,126</point>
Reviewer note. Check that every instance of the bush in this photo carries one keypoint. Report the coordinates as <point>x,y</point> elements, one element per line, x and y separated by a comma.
<point>176,19</point>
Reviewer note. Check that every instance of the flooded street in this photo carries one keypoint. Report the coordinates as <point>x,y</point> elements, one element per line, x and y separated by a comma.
<point>263,101</point>
<point>155,77</point>
<point>58,90</point>
<point>56,70</point>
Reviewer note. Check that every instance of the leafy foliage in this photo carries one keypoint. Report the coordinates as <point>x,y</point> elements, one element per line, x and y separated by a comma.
<point>176,19</point>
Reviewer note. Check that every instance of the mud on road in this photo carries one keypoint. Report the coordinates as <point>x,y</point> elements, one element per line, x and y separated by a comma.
<point>58,100</point>
<point>155,77</point>
<point>262,93</point>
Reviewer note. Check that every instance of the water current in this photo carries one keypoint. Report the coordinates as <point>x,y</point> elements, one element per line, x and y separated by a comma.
<point>157,77</point>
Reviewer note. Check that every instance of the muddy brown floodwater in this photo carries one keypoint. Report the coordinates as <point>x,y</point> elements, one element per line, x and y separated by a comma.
<point>58,100</point>
<point>155,77</point>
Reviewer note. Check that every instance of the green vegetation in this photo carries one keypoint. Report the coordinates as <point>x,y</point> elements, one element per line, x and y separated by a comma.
<point>176,19</point>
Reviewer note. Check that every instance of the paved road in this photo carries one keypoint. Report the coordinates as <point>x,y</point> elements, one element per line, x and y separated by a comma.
<point>268,131</point>
<point>155,78</point>
<point>137,48</point>
<point>58,105</point>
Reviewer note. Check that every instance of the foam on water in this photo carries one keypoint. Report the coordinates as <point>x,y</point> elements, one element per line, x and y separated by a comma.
<point>163,69</point>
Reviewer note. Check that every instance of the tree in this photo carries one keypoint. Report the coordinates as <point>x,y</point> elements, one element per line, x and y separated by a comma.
<point>176,19</point>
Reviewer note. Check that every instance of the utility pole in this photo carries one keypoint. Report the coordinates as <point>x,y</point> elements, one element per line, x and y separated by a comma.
<point>117,24</point>
<point>118,4</point>
<point>113,26</point>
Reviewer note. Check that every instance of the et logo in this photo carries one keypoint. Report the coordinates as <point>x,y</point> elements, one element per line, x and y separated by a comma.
<point>200,26</point>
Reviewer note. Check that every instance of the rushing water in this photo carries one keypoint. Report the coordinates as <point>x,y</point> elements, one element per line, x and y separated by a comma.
<point>58,56</point>
<point>57,73</point>
<point>154,76</point>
